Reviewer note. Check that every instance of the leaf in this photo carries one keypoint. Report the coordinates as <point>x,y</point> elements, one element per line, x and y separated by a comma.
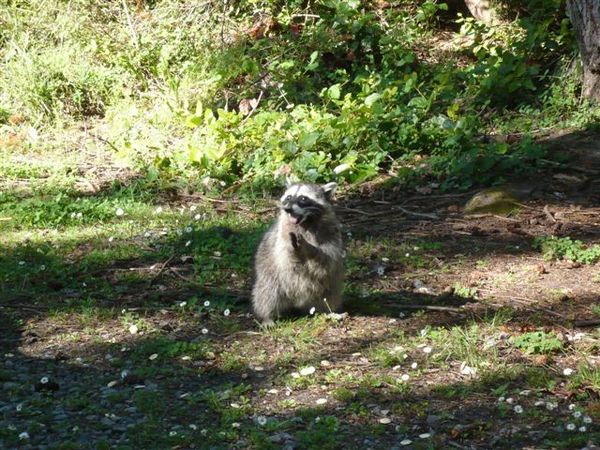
<point>372,99</point>
<point>307,140</point>
<point>193,121</point>
<point>419,103</point>
<point>334,92</point>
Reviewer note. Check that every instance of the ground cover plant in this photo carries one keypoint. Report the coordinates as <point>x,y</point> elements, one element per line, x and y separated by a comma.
<point>143,144</point>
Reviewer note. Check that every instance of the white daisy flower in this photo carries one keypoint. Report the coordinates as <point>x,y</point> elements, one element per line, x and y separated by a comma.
<point>261,420</point>
<point>204,331</point>
<point>405,377</point>
<point>119,212</point>
<point>414,365</point>
<point>570,426</point>
<point>24,435</point>
<point>206,304</point>
<point>567,372</point>
<point>582,429</point>
<point>226,312</point>
<point>587,419</point>
<point>518,409</point>
<point>44,380</point>
<point>312,310</point>
<point>577,414</point>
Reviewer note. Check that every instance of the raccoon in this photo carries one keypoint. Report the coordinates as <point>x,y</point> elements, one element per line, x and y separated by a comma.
<point>299,262</point>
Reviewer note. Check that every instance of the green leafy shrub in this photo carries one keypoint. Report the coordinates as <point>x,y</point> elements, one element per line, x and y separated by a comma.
<point>537,342</point>
<point>553,247</point>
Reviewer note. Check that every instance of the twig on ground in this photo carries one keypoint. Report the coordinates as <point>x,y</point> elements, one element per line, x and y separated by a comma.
<point>429,307</point>
<point>586,323</point>
<point>416,214</point>
<point>160,271</point>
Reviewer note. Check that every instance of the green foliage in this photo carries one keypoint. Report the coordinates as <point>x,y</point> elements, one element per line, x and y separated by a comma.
<point>553,247</point>
<point>265,89</point>
<point>537,342</point>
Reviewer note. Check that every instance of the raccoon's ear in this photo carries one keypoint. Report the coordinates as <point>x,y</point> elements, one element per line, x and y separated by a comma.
<point>329,189</point>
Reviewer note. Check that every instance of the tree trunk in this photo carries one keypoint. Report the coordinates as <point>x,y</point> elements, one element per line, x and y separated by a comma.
<point>483,10</point>
<point>585,17</point>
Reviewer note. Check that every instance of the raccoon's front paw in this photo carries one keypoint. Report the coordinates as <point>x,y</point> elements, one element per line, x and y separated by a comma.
<point>267,324</point>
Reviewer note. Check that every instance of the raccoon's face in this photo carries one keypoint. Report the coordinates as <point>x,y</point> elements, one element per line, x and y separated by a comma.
<point>306,202</point>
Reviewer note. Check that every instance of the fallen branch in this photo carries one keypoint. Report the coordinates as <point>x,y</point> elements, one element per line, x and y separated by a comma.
<point>429,307</point>
<point>586,323</point>
<point>162,268</point>
<point>416,214</point>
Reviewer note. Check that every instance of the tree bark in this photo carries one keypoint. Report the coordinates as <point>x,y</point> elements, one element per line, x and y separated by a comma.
<point>483,10</point>
<point>585,17</point>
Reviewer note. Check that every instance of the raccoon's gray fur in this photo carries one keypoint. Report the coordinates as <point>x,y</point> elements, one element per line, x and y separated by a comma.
<point>299,262</point>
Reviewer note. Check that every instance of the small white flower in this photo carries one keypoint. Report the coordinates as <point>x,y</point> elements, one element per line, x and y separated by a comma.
<point>424,332</point>
<point>501,399</point>
<point>186,358</point>
<point>42,267</point>
<point>188,229</point>
<point>407,255</point>
<point>405,442</point>
<point>133,329</point>
<point>153,356</point>
<point>203,431</point>
<point>427,350</point>
<point>540,403</point>
<point>188,243</point>
<point>582,429</point>
<point>261,420</point>
<point>124,373</point>
<point>425,435</point>
<point>120,212</point>
<point>226,312</point>
<point>518,409</point>
<point>510,400</point>
<point>110,239</point>
<point>21,263</point>
<point>193,426</point>
<point>204,331</point>
<point>182,304</point>
<point>206,304</point>
<point>312,310</point>
<point>235,425</point>
<point>587,419</point>
<point>570,426</point>
<point>111,384</point>
<point>197,217</point>
<point>385,420</point>
<point>19,407</point>
<point>307,371</point>
<point>567,372</point>
<point>321,401</point>
<point>572,406</point>
<point>380,270</point>
<point>405,377</point>
<point>577,414</point>
<point>295,375</point>
<point>551,405</point>
<point>173,433</point>
<point>44,380</point>
<point>414,365</point>
<point>193,208</point>
<point>158,210</point>
<point>79,215</point>
<point>24,435</point>
<point>217,254</point>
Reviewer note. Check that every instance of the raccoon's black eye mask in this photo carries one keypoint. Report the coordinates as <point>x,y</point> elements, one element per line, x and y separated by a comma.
<point>302,201</point>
